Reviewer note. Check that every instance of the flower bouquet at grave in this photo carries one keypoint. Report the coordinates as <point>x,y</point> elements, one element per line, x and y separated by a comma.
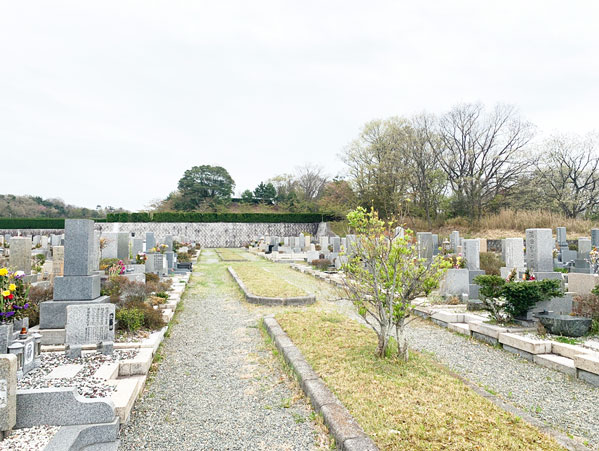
<point>594,259</point>
<point>118,269</point>
<point>141,258</point>
<point>14,295</point>
<point>512,276</point>
<point>456,261</point>
<point>161,248</point>
<point>528,275</point>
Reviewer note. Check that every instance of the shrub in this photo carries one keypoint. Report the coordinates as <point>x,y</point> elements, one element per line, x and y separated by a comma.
<point>322,264</point>
<point>134,291</point>
<point>113,287</point>
<point>521,296</point>
<point>183,257</point>
<point>162,295</point>
<point>177,216</point>
<point>151,277</point>
<point>506,300</point>
<point>587,305</point>
<point>37,294</point>
<point>490,263</point>
<point>152,318</point>
<point>130,319</point>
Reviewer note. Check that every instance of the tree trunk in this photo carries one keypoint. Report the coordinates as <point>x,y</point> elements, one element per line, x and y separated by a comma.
<point>402,342</point>
<point>383,341</point>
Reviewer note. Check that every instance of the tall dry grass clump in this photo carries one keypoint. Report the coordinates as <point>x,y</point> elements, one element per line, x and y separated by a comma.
<point>528,219</point>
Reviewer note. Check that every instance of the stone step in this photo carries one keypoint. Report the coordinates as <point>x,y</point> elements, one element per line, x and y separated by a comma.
<point>526,344</point>
<point>556,362</point>
<point>568,350</point>
<point>124,395</point>
<point>461,328</point>
<point>137,366</point>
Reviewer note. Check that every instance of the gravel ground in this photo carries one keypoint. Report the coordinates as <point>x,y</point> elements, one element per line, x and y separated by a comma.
<point>218,387</point>
<point>30,439</point>
<point>84,381</point>
<point>566,404</point>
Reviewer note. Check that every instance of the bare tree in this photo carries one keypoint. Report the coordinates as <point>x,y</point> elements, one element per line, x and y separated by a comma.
<point>569,167</point>
<point>311,180</point>
<point>481,153</point>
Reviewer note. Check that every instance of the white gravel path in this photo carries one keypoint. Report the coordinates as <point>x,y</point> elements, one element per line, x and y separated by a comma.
<point>218,387</point>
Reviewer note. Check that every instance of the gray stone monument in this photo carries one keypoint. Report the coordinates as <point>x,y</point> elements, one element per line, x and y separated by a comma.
<point>336,244</point>
<point>80,283</point>
<point>595,238</point>
<point>561,237</point>
<point>8,392</point>
<point>122,251</point>
<point>137,246</point>
<point>472,254</point>
<point>454,241</point>
<point>89,324</point>
<point>425,245</point>
<point>150,241</point>
<point>20,254</point>
<point>539,250</point>
<point>57,261</point>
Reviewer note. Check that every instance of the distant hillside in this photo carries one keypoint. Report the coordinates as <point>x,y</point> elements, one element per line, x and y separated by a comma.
<point>12,206</point>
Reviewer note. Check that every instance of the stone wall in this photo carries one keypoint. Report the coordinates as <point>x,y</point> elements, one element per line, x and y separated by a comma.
<point>210,234</point>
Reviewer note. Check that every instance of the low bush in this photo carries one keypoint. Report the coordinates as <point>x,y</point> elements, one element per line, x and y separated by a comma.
<point>38,294</point>
<point>152,318</point>
<point>162,294</point>
<point>490,263</point>
<point>130,319</point>
<point>322,264</point>
<point>507,300</point>
<point>183,257</point>
<point>151,277</point>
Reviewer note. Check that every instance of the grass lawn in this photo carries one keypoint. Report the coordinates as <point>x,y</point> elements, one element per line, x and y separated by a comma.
<point>262,282</point>
<point>230,255</point>
<point>414,405</point>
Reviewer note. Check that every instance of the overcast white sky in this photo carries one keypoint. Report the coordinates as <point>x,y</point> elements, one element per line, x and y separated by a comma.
<point>109,102</point>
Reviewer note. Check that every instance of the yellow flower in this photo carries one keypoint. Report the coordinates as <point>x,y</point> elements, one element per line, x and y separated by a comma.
<point>6,293</point>
<point>3,271</point>
<point>12,287</point>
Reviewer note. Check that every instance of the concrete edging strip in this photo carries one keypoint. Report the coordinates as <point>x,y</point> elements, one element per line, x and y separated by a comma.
<point>252,299</point>
<point>347,432</point>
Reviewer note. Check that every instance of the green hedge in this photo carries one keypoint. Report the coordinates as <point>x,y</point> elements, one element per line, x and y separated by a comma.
<point>171,216</point>
<point>35,223</point>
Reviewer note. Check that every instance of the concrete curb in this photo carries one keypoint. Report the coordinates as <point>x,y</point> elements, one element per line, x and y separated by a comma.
<point>252,299</point>
<point>347,432</point>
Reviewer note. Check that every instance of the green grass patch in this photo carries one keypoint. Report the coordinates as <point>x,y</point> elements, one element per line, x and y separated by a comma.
<point>414,405</point>
<point>261,282</point>
<point>230,255</point>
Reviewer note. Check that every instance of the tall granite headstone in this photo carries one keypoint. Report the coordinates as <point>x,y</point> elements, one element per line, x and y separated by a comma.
<point>80,283</point>
<point>150,241</point>
<point>20,254</point>
<point>539,250</point>
<point>472,254</point>
<point>454,241</point>
<point>425,245</point>
<point>8,392</point>
<point>595,238</point>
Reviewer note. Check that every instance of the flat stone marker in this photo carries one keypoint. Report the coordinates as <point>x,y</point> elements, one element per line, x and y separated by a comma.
<point>90,324</point>
<point>67,371</point>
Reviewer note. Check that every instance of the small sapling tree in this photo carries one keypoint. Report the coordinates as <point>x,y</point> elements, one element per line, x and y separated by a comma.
<point>384,275</point>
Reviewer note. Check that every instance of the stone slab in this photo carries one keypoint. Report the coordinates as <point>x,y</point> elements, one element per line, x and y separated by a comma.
<point>448,317</point>
<point>587,362</point>
<point>79,251</point>
<point>8,391</point>
<point>556,362</point>
<point>568,350</point>
<point>588,377</point>
<point>68,408</point>
<point>484,338</point>
<point>88,437</point>
<point>527,344</point>
<point>68,371</point>
<point>89,324</point>
<point>461,328</point>
<point>53,314</point>
<point>524,354</point>
<point>73,288</point>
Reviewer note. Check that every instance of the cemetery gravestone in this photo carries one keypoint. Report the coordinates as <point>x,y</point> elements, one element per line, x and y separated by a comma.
<point>137,246</point>
<point>58,261</point>
<point>425,245</point>
<point>90,324</point>
<point>80,284</point>
<point>8,392</point>
<point>561,238</point>
<point>539,250</point>
<point>454,240</point>
<point>122,251</point>
<point>150,241</point>
<point>20,254</point>
<point>472,254</point>
<point>595,238</point>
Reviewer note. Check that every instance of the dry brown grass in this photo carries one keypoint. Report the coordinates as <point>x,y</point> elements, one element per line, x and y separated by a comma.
<point>416,405</point>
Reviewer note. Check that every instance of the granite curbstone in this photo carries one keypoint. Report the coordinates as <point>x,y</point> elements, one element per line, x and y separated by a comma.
<point>81,436</point>
<point>68,408</point>
<point>261,300</point>
<point>347,432</point>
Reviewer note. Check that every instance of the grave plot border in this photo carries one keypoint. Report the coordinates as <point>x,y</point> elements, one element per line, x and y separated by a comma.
<point>348,434</point>
<point>263,300</point>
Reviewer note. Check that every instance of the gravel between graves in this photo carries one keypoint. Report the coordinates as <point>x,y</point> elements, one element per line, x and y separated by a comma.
<point>30,439</point>
<point>567,404</point>
<point>218,387</point>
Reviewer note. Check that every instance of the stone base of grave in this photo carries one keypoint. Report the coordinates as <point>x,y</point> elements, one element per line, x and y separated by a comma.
<point>53,314</point>
<point>99,436</point>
